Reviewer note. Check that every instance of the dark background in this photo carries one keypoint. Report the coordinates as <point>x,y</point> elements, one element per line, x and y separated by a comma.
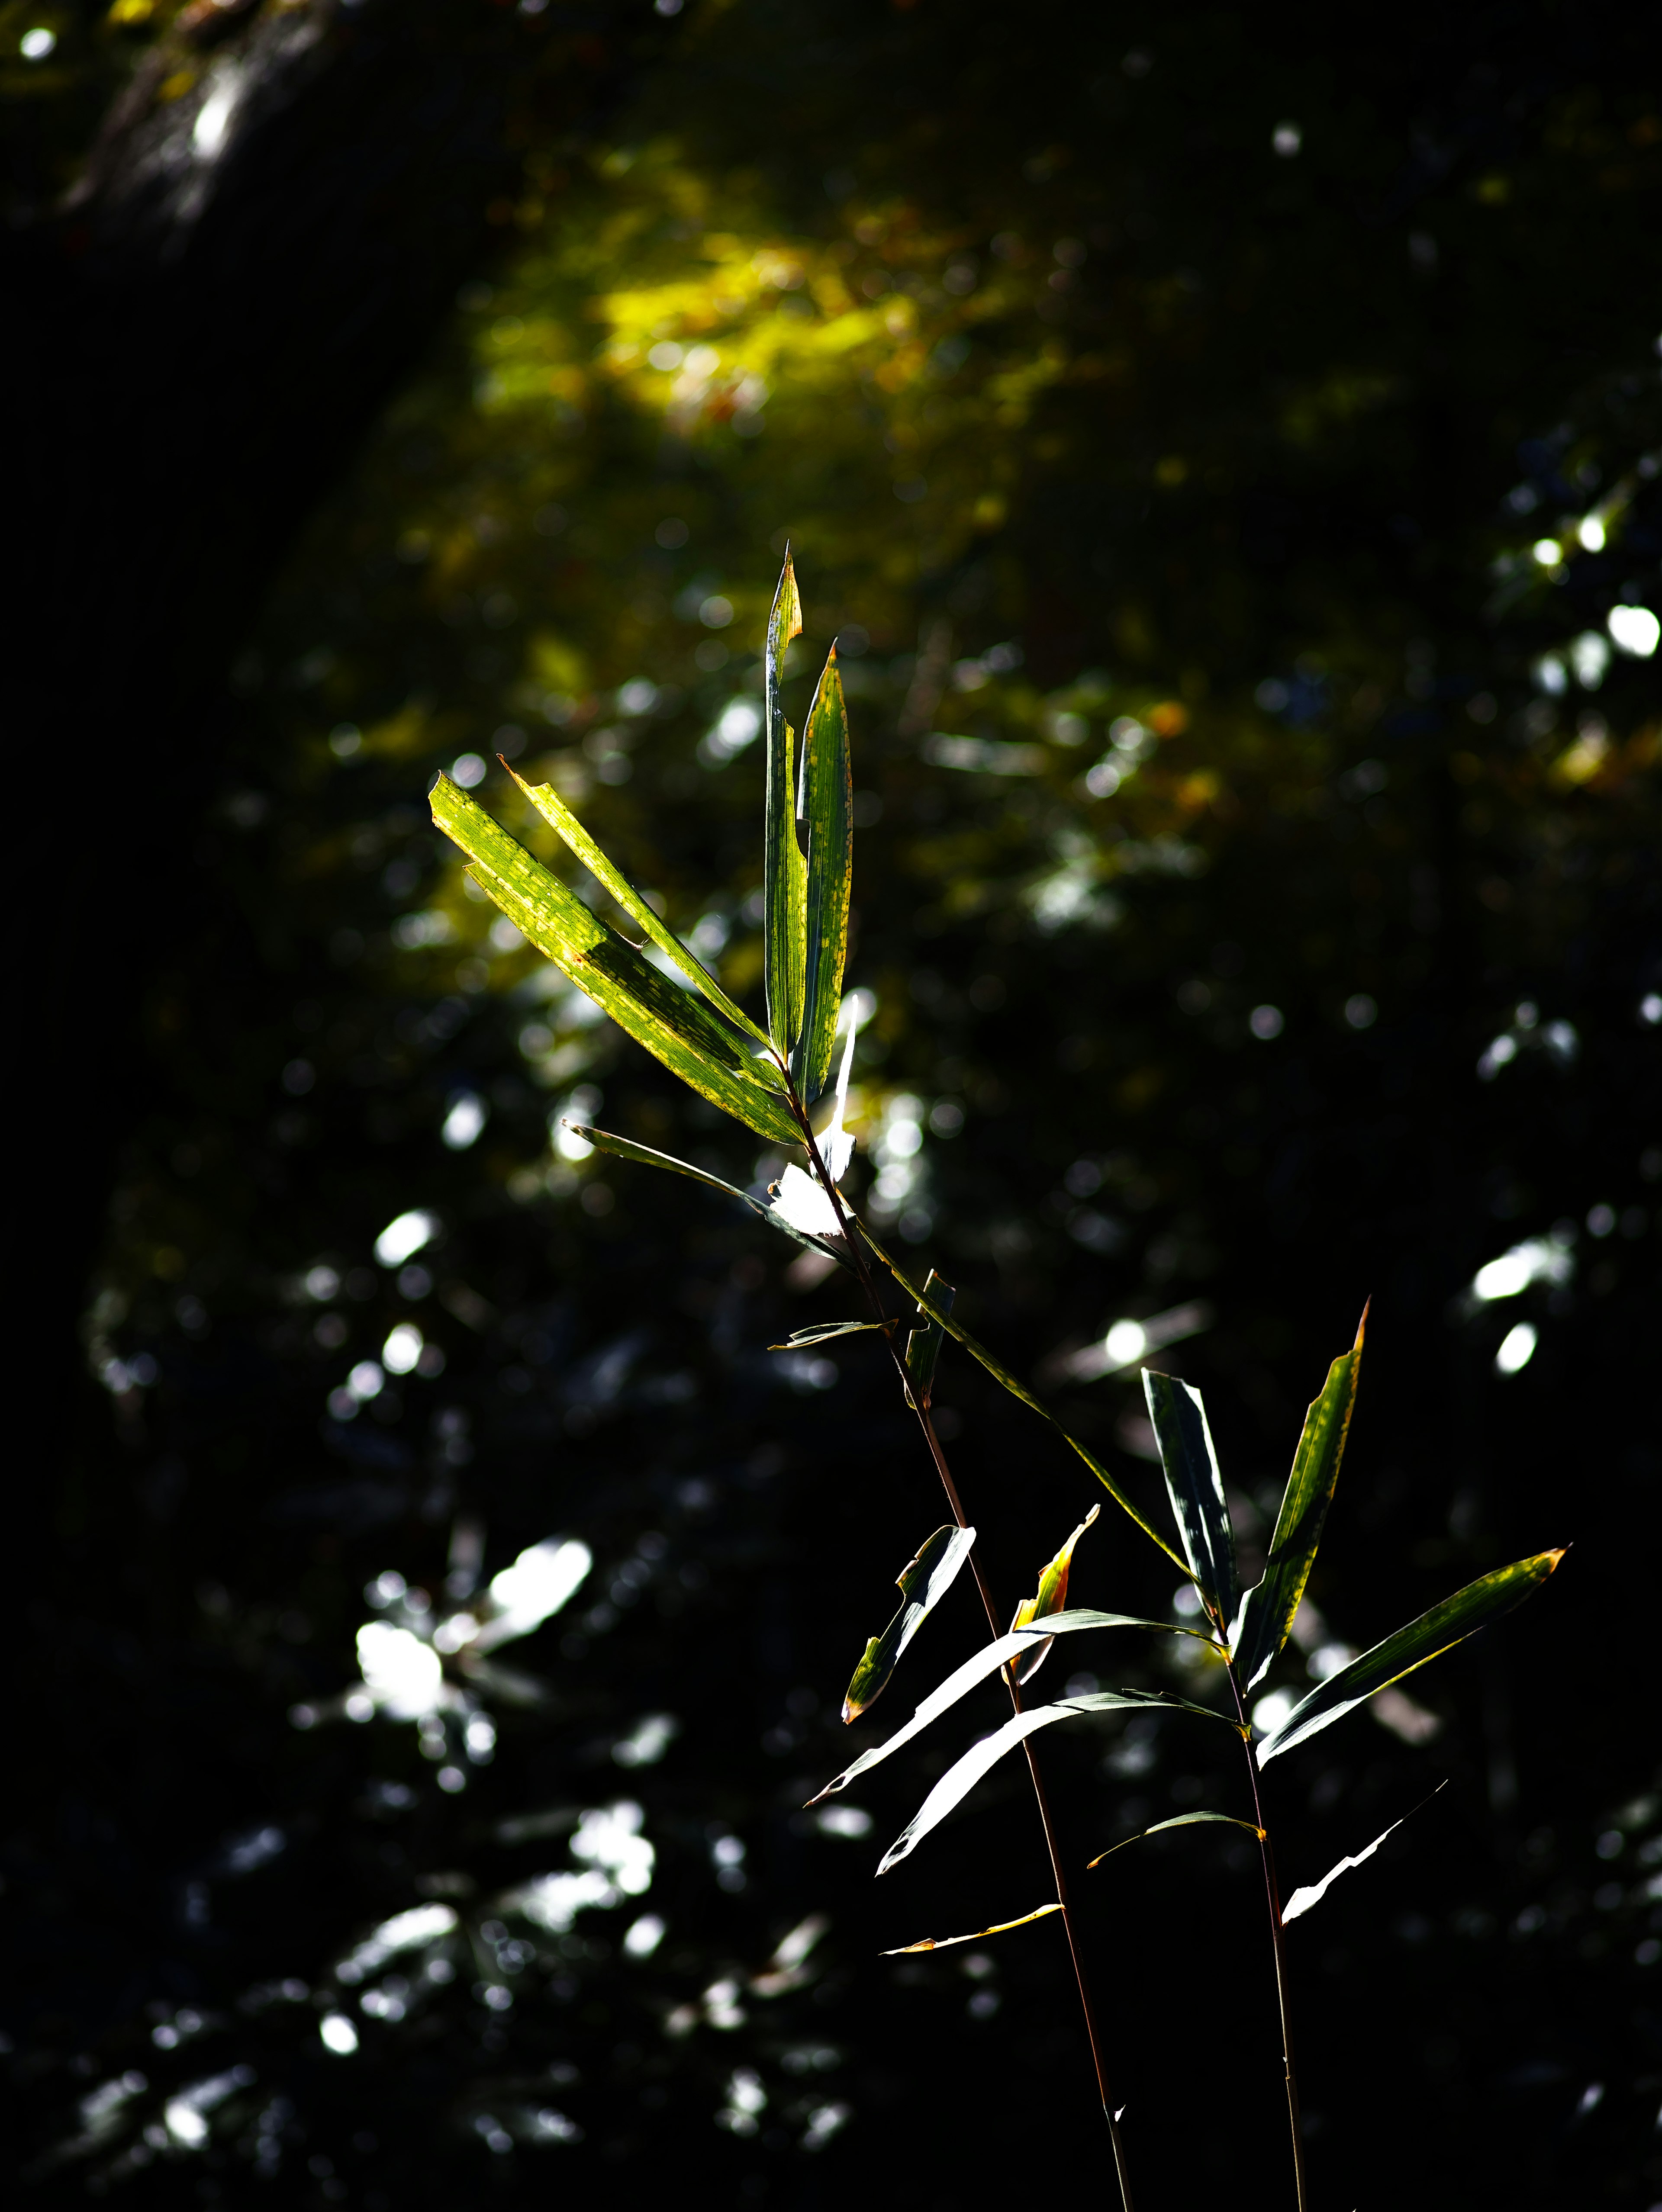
<point>334,459</point>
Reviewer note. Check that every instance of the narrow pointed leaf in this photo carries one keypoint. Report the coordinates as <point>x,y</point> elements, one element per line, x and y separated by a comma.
<point>956,1783</point>
<point>999,1373</point>
<point>691,1040</point>
<point>622,1148</point>
<point>1447,1624</point>
<point>785,865</point>
<point>1302,1901</point>
<point>560,817</point>
<point>1267,1610</point>
<point>923,1345</point>
<point>1180,1821</point>
<point>986,1661</point>
<point>825,817</point>
<point>822,1332</point>
<point>922,1583</point>
<point>998,1928</point>
<point>1052,1597</point>
<point>1196,1488</point>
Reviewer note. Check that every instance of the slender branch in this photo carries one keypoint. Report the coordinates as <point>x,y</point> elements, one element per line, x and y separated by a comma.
<point>890,1334</point>
<point>1273,1895</point>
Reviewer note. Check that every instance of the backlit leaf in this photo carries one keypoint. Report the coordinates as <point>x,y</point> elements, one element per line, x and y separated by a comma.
<point>922,1583</point>
<point>945,1942</point>
<point>1267,1610</point>
<point>956,1783</point>
<point>826,817</point>
<point>623,1149</point>
<point>690,1038</point>
<point>923,1345</point>
<point>1051,1597</point>
<point>1302,1900</point>
<point>559,816</point>
<point>1179,1820</point>
<point>821,1332</point>
<point>1196,1488</point>
<point>784,862</point>
<point>999,1373</point>
<point>1447,1624</point>
<point>976,1668</point>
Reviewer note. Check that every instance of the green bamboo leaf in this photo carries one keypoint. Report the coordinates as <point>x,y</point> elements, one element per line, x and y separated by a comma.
<point>1266,1613</point>
<point>986,1661</point>
<point>923,1345</point>
<point>691,1040</point>
<point>821,1332</point>
<point>998,1928</point>
<point>1002,1374</point>
<point>1051,1597</point>
<point>1180,1821</point>
<point>1196,1489</point>
<point>784,863</point>
<point>826,817</point>
<point>560,817</point>
<point>922,1583</point>
<point>956,1783</point>
<point>643,1156</point>
<point>1445,1625</point>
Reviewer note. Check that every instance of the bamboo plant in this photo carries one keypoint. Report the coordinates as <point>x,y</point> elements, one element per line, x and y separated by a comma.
<point>771,1076</point>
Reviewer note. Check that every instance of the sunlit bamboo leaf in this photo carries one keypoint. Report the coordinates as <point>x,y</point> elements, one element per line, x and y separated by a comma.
<point>1179,1820</point>
<point>825,818</point>
<point>784,862</point>
<point>1447,1624</point>
<point>1196,1488</point>
<point>559,816</point>
<point>998,1928</point>
<point>1267,1610</point>
<point>1002,1374</point>
<point>823,1331</point>
<point>986,1661</point>
<point>1302,1900</point>
<point>689,1037</point>
<point>956,1783</point>
<point>923,1345</point>
<point>643,1156</point>
<point>1051,1597</point>
<point>922,1583</point>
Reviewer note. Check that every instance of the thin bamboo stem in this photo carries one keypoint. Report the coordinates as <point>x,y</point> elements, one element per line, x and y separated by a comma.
<point>1272,1894</point>
<point>889,1330</point>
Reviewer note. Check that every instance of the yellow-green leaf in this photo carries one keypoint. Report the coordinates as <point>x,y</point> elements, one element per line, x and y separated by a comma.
<point>922,1583</point>
<point>560,817</point>
<point>825,817</point>
<point>1266,1613</point>
<point>785,867</point>
<point>1447,1624</point>
<point>1179,1821</point>
<point>1052,1596</point>
<point>998,1928</point>
<point>687,1036</point>
<point>923,1345</point>
<point>623,1149</point>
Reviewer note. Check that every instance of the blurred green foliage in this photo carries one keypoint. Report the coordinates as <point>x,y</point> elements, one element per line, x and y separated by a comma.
<point>1219,453</point>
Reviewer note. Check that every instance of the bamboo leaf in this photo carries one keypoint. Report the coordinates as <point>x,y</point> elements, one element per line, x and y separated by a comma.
<point>1302,1901</point>
<point>956,1783</point>
<point>643,1156</point>
<point>826,817</point>
<point>1180,1821</point>
<point>1196,1489</point>
<point>785,865</point>
<point>1445,1625</point>
<point>923,1345</point>
<point>1002,1374</point>
<point>1266,1613</point>
<point>986,1661</point>
<point>945,1942</point>
<point>1051,1597</point>
<point>691,1040</point>
<point>922,1583</point>
<point>822,1332</point>
<point>560,817</point>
